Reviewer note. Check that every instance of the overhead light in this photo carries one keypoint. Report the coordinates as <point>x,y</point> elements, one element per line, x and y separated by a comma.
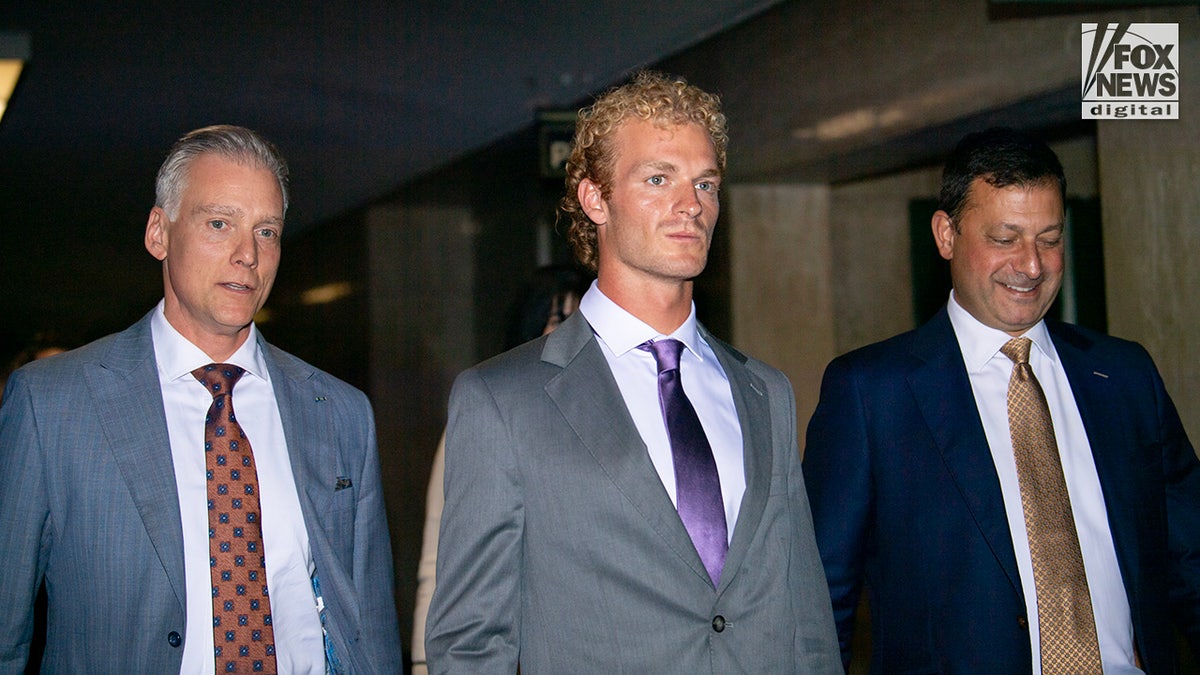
<point>890,118</point>
<point>320,295</point>
<point>14,52</point>
<point>854,123</point>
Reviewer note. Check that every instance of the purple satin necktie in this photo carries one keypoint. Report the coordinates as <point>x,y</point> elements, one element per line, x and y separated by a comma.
<point>697,484</point>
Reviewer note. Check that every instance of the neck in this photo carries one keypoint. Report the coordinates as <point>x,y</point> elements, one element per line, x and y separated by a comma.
<point>662,306</point>
<point>216,345</point>
<point>220,349</point>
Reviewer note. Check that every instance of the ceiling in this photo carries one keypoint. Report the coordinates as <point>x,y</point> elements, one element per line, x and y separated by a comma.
<point>364,97</point>
<point>360,96</point>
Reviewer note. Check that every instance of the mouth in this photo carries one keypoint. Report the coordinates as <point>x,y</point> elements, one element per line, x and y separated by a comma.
<point>687,233</point>
<point>240,288</point>
<point>1021,289</point>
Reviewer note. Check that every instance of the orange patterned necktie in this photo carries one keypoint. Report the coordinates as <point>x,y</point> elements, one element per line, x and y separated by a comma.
<point>1066,624</point>
<point>243,638</point>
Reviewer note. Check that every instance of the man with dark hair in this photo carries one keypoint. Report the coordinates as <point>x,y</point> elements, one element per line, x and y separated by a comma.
<point>624,495</point>
<point>172,535</point>
<point>1018,494</point>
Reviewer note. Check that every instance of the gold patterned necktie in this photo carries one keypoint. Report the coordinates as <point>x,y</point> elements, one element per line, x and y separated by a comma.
<point>243,635</point>
<point>1066,624</point>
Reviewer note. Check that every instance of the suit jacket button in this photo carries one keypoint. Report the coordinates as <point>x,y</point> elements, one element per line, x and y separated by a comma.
<point>718,623</point>
<point>174,639</point>
<point>1022,622</point>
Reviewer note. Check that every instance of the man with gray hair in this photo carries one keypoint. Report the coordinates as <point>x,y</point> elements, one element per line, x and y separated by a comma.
<point>173,535</point>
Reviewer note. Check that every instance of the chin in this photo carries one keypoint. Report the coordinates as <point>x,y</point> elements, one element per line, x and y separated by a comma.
<point>1021,325</point>
<point>237,321</point>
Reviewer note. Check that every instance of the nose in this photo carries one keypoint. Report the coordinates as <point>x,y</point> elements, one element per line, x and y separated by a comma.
<point>245,251</point>
<point>689,202</point>
<point>1029,260</point>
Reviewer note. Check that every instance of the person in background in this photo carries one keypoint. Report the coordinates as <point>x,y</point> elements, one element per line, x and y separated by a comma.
<point>550,297</point>
<point>624,494</point>
<point>43,344</point>
<point>172,534</point>
<point>1017,493</point>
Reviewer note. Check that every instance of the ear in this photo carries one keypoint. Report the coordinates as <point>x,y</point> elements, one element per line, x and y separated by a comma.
<point>943,234</point>
<point>591,198</point>
<point>156,233</point>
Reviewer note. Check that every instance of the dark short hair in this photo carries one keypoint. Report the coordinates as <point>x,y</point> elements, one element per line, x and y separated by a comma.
<point>236,144</point>
<point>1002,157</point>
<point>532,309</point>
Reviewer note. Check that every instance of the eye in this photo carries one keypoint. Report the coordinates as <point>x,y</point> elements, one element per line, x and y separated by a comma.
<point>1051,243</point>
<point>707,186</point>
<point>268,233</point>
<point>657,180</point>
<point>217,224</point>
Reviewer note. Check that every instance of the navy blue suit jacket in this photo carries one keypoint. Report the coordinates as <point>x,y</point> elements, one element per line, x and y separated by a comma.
<point>905,496</point>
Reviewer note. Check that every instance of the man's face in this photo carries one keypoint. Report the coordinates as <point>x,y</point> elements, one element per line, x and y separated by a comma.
<point>221,252</point>
<point>1006,259</point>
<point>658,221</point>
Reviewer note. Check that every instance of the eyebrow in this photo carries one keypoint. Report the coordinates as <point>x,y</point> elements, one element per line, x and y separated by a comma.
<point>218,209</point>
<point>1060,225</point>
<point>223,210</point>
<point>663,165</point>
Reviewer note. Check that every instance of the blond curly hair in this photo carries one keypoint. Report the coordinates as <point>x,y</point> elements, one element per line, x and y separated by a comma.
<point>650,96</point>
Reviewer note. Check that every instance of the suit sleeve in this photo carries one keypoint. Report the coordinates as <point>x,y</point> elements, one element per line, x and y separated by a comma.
<point>1182,481</point>
<point>815,647</point>
<point>474,622</point>
<point>24,531</point>
<point>837,473</point>
<point>380,632</point>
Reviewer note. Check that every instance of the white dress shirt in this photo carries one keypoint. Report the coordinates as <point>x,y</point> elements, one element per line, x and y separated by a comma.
<point>989,371</point>
<point>299,644</point>
<point>619,334</point>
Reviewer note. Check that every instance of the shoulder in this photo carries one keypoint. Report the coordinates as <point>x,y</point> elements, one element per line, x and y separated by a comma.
<point>74,364</point>
<point>1083,352</point>
<point>770,374</point>
<point>515,360</point>
<point>518,368</point>
<point>1072,337</point>
<point>904,343</point>
<point>893,356</point>
<point>302,373</point>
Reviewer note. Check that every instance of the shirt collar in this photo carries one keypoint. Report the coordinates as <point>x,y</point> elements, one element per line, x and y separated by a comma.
<point>177,357</point>
<point>980,343</point>
<point>622,331</point>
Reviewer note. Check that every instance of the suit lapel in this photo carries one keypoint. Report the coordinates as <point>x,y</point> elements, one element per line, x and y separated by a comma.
<point>1097,388</point>
<point>125,387</point>
<point>754,417</point>
<point>308,425</point>
<point>943,394</point>
<point>305,425</point>
<point>588,397</point>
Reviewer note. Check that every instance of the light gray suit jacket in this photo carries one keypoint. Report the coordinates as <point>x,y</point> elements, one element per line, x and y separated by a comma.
<point>88,501</point>
<point>561,550</point>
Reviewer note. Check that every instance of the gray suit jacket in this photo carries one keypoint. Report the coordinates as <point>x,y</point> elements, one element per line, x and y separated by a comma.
<point>88,501</point>
<point>561,550</point>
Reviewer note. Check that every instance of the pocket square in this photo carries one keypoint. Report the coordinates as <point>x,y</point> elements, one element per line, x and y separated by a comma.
<point>342,483</point>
